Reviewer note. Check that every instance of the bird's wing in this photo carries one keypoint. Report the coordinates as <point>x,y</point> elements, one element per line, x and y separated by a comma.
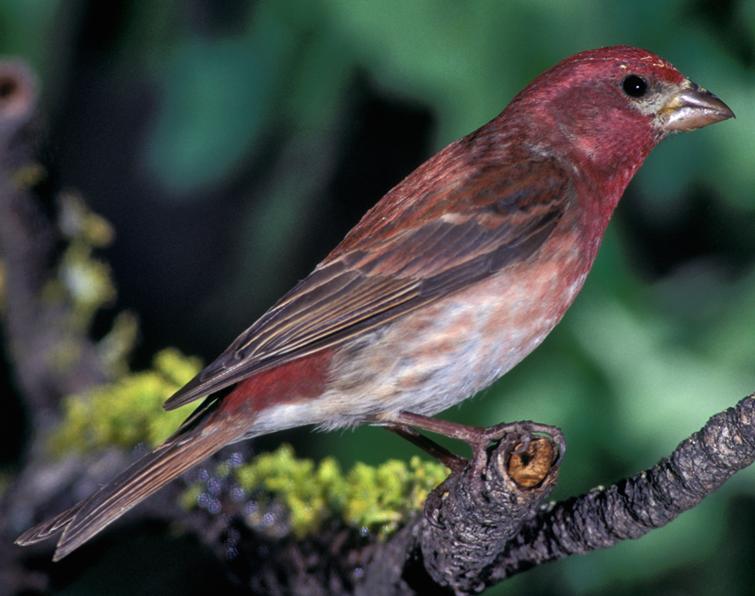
<point>456,236</point>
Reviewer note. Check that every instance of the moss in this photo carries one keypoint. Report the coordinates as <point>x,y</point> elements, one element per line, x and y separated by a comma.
<point>115,347</point>
<point>29,175</point>
<point>382,496</point>
<point>128,411</point>
<point>82,286</point>
<point>78,222</point>
<point>376,498</point>
<point>190,496</point>
<point>84,281</point>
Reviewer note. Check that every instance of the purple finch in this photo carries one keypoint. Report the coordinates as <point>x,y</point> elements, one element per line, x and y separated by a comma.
<point>456,275</point>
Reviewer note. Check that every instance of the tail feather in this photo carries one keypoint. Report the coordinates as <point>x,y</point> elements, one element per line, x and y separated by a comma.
<point>145,477</point>
<point>48,528</point>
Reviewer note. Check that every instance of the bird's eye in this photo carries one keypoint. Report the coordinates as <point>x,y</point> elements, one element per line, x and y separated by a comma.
<point>634,86</point>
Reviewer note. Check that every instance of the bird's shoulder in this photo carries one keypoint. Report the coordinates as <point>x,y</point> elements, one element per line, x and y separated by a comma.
<point>466,178</point>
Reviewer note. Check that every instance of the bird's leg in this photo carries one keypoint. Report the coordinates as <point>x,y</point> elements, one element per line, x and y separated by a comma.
<point>450,460</point>
<point>478,438</point>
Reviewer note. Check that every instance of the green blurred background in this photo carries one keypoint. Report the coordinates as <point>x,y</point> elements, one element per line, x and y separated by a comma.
<point>232,144</point>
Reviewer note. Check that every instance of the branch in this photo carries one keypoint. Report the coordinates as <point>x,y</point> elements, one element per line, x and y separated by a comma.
<point>471,551</point>
<point>36,324</point>
<point>633,507</point>
<point>51,356</point>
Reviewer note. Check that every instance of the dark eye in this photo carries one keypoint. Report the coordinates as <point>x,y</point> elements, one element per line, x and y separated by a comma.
<point>634,86</point>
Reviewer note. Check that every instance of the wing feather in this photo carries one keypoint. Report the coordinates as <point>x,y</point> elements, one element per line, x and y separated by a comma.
<point>474,229</point>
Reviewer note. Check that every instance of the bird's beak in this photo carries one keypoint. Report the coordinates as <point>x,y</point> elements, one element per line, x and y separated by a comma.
<point>693,107</point>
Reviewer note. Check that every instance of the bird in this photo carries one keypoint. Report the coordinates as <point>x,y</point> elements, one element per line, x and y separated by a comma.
<point>457,274</point>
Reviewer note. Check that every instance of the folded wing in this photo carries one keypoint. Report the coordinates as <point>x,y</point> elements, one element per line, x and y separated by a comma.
<point>458,235</point>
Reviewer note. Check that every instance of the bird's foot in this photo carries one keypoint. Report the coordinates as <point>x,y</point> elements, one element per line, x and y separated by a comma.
<point>480,439</point>
<point>446,457</point>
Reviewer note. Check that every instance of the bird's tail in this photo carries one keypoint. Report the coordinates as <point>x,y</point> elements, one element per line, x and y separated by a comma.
<point>146,476</point>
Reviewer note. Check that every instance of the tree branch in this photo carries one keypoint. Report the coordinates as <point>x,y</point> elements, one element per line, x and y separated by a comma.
<point>598,519</point>
<point>633,507</point>
<point>38,334</point>
<point>36,324</point>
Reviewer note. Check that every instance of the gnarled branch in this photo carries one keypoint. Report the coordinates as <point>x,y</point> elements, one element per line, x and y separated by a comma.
<point>598,519</point>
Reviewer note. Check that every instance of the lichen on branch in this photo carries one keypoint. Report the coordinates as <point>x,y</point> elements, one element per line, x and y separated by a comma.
<point>127,411</point>
<point>278,495</point>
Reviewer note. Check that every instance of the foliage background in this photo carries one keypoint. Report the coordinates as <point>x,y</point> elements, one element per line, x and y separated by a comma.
<point>231,144</point>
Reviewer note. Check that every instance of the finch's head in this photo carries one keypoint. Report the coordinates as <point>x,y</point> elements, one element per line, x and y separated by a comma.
<point>612,105</point>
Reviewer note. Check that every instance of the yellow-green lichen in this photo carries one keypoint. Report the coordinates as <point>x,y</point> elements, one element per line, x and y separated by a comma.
<point>78,222</point>
<point>189,497</point>
<point>115,347</point>
<point>81,286</point>
<point>378,498</point>
<point>128,411</point>
<point>83,283</point>
<point>86,281</point>
<point>29,175</point>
